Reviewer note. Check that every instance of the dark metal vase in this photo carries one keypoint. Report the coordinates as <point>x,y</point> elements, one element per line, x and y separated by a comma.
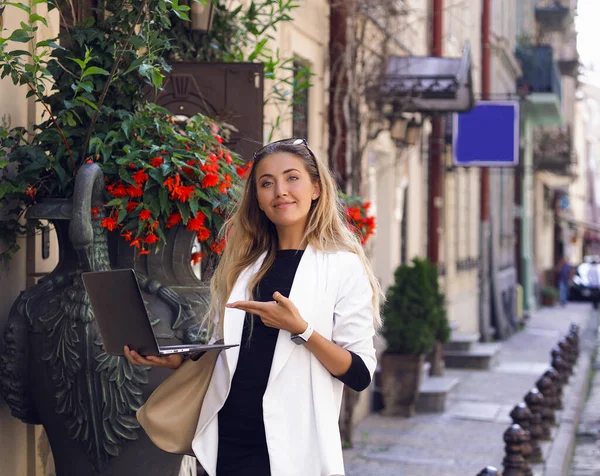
<point>53,369</point>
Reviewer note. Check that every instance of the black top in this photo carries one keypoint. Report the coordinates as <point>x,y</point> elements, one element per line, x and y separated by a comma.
<point>242,442</point>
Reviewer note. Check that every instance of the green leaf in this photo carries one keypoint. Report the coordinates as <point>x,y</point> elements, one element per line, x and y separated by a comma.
<point>114,202</point>
<point>87,86</point>
<point>184,211</point>
<point>93,70</point>
<point>181,15</point>
<point>19,53</point>
<point>125,176</point>
<point>35,17</point>
<point>163,198</point>
<point>193,206</point>
<point>157,175</point>
<point>4,163</point>
<point>6,188</point>
<point>86,101</point>
<point>122,214</point>
<point>50,43</point>
<point>20,36</point>
<point>22,6</point>
<point>81,63</point>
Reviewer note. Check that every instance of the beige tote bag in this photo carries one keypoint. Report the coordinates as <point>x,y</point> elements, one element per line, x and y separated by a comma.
<point>170,415</point>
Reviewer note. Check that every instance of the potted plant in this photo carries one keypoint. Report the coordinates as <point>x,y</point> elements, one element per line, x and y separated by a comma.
<point>409,328</point>
<point>549,295</point>
<point>124,185</point>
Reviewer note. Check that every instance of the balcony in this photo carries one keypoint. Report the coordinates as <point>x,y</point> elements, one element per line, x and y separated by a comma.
<point>553,150</point>
<point>540,83</point>
<point>552,15</point>
<point>568,59</point>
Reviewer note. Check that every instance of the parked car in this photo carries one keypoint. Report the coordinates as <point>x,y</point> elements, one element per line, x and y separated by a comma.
<point>585,283</point>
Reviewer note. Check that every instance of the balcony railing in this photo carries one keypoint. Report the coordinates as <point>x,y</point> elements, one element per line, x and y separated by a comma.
<point>540,71</point>
<point>553,150</point>
<point>552,15</point>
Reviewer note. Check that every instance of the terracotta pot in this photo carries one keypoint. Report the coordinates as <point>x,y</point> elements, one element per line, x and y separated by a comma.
<point>401,379</point>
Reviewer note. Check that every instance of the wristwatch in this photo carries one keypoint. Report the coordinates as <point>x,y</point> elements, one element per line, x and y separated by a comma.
<point>302,339</point>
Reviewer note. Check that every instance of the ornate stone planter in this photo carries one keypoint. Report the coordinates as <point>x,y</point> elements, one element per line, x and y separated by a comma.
<point>54,371</point>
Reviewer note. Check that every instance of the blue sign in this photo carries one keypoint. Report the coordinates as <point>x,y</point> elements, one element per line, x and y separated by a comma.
<point>487,135</point>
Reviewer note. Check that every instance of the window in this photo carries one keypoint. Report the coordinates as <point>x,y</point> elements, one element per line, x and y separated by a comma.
<point>300,107</point>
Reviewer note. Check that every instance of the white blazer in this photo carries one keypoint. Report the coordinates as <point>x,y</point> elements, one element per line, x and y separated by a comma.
<point>302,401</point>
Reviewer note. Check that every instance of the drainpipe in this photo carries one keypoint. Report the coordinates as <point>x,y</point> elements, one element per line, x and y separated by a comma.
<point>338,24</point>
<point>484,212</point>
<point>436,145</point>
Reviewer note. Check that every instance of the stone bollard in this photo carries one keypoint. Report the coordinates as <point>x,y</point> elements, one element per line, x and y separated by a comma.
<point>544,385</point>
<point>514,463</point>
<point>522,416</point>
<point>573,340</point>
<point>534,401</point>
<point>553,375</point>
<point>567,354</point>
<point>560,365</point>
<point>489,471</point>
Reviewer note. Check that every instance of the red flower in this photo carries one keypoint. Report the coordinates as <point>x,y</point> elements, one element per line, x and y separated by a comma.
<point>226,185</point>
<point>132,166</point>
<point>118,191</point>
<point>203,234</point>
<point>131,206</point>
<point>134,192</point>
<point>156,161</point>
<point>143,252</point>
<point>228,159</point>
<point>145,215</point>
<point>137,243</point>
<point>188,170</point>
<point>163,152</point>
<point>95,211</point>
<point>127,235</point>
<point>213,157</point>
<point>210,167</point>
<point>196,223</point>
<point>173,219</point>
<point>109,223</point>
<point>172,183</point>
<point>197,257</point>
<point>210,180</point>
<point>243,171</point>
<point>218,246</point>
<point>219,139</point>
<point>354,213</point>
<point>187,147</point>
<point>140,177</point>
<point>151,239</point>
<point>184,192</point>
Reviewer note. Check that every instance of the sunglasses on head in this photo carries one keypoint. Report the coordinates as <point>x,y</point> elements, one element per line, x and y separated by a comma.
<point>290,141</point>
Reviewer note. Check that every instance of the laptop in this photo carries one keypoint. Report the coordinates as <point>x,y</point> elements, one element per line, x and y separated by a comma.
<point>123,319</point>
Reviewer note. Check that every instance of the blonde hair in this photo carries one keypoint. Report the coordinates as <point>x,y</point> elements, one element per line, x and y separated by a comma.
<point>249,234</point>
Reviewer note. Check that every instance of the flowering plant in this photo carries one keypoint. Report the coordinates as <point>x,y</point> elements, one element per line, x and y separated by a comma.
<point>158,174</point>
<point>165,174</point>
<point>357,216</point>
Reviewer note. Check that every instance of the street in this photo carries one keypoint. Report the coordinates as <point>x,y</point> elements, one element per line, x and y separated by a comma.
<point>467,437</point>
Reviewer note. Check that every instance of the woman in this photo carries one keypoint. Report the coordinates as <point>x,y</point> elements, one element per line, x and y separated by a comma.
<point>299,296</point>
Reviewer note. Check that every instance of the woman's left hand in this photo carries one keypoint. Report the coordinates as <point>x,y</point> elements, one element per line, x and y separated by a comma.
<point>280,313</point>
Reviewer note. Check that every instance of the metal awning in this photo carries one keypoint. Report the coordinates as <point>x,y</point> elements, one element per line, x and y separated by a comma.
<point>428,83</point>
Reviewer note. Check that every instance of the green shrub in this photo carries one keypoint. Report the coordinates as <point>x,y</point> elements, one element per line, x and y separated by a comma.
<point>415,314</point>
<point>549,292</point>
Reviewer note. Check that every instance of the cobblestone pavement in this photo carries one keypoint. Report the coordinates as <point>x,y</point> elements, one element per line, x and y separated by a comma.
<point>468,436</point>
<point>586,459</point>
